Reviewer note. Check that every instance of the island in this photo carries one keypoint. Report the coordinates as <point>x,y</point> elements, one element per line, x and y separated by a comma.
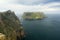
<point>33,15</point>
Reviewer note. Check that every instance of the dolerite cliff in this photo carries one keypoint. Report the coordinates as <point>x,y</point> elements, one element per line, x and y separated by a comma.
<point>9,23</point>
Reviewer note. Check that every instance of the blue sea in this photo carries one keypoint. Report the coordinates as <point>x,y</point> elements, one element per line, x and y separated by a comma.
<point>45,29</point>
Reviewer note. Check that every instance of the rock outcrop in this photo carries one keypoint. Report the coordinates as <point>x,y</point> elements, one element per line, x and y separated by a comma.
<point>9,23</point>
<point>2,36</point>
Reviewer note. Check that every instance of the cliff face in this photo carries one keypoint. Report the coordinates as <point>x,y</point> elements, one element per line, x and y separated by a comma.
<point>9,23</point>
<point>33,15</point>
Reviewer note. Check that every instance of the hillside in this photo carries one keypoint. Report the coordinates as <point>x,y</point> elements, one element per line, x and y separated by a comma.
<point>9,23</point>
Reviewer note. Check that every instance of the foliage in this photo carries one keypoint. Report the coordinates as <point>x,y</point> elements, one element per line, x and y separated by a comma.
<point>9,23</point>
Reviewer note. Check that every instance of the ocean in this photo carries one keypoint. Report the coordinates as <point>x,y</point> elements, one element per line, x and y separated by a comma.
<point>45,29</point>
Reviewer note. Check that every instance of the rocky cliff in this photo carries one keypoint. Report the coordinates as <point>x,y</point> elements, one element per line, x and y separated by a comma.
<point>9,23</point>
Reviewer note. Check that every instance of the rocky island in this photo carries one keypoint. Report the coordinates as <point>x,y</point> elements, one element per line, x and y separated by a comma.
<point>10,26</point>
<point>33,15</point>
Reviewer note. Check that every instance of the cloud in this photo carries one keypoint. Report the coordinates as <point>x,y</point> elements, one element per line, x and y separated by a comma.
<point>24,2</point>
<point>19,8</point>
<point>28,2</point>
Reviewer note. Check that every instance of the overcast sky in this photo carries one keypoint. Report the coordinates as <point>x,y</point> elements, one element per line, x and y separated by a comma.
<point>20,6</point>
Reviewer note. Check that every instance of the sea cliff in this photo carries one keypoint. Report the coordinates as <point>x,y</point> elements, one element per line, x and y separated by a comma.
<point>9,23</point>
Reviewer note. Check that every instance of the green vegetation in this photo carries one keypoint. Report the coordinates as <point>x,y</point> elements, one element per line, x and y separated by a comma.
<point>33,15</point>
<point>9,23</point>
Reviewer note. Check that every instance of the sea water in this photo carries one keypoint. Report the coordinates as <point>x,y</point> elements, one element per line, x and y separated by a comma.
<point>45,29</point>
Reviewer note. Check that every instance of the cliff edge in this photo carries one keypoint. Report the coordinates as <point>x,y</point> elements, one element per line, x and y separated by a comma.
<point>9,23</point>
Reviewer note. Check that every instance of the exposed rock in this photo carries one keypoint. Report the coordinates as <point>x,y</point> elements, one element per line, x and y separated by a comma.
<point>2,36</point>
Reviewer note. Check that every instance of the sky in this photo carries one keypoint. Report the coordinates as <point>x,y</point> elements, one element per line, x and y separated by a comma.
<point>21,6</point>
